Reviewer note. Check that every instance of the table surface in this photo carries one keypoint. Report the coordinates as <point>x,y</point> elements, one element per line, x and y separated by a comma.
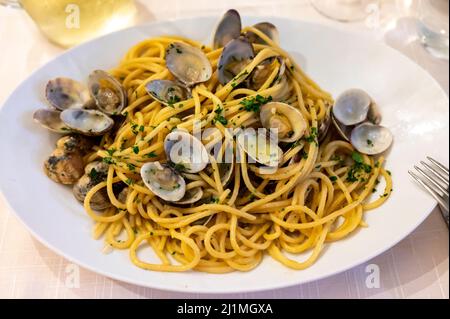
<point>417,267</point>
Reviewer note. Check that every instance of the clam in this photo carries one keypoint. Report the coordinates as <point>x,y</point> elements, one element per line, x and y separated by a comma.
<point>261,72</point>
<point>285,92</point>
<point>268,29</point>
<point>225,161</point>
<point>186,151</point>
<point>371,139</point>
<point>109,95</point>
<point>51,120</point>
<point>188,64</point>
<point>94,173</point>
<point>236,55</point>
<point>352,107</point>
<point>356,118</point>
<point>87,122</point>
<point>163,181</point>
<point>167,92</point>
<point>229,28</point>
<point>65,93</point>
<point>191,196</point>
<point>287,120</point>
<point>75,144</point>
<point>260,148</point>
<point>65,168</point>
<point>324,125</point>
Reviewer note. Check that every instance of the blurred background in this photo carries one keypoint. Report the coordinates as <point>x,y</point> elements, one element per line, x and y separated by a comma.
<point>32,32</point>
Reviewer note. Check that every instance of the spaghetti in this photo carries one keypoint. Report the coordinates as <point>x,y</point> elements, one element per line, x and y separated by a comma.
<point>319,198</point>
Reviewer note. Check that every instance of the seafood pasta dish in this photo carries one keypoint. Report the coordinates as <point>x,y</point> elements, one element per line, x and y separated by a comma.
<point>209,157</point>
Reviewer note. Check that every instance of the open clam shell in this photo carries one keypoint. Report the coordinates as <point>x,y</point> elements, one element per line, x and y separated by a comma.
<point>186,151</point>
<point>64,93</point>
<point>260,148</point>
<point>229,28</point>
<point>268,29</point>
<point>109,95</point>
<point>87,122</point>
<point>51,120</point>
<point>167,92</point>
<point>163,181</point>
<point>188,64</point>
<point>371,139</point>
<point>236,55</point>
<point>287,120</point>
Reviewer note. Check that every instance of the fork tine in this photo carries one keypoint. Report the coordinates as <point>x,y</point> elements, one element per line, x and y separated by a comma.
<point>430,190</point>
<point>442,167</point>
<point>432,181</point>
<point>443,178</point>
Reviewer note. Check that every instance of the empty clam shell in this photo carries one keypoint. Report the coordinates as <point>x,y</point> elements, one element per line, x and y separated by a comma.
<point>50,119</point>
<point>87,122</point>
<point>236,55</point>
<point>186,151</point>
<point>260,148</point>
<point>371,139</point>
<point>167,92</point>
<point>287,120</point>
<point>352,107</point>
<point>65,93</point>
<point>191,196</point>
<point>268,29</point>
<point>163,181</point>
<point>108,93</point>
<point>188,64</point>
<point>229,28</point>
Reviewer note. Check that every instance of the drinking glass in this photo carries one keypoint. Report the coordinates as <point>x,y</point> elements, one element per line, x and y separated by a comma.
<point>69,22</point>
<point>343,10</point>
<point>433,26</point>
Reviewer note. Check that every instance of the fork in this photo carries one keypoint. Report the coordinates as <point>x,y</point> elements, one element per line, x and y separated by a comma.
<point>434,178</point>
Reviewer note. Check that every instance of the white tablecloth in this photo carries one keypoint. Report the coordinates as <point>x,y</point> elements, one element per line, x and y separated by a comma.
<point>418,267</point>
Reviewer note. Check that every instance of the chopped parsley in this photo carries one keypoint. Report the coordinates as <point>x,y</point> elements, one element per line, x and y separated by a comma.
<point>129,181</point>
<point>254,104</point>
<point>358,169</point>
<point>178,167</point>
<point>219,117</point>
<point>151,155</point>
<point>313,136</point>
<point>141,128</point>
<point>96,176</point>
<point>131,167</point>
<point>108,160</point>
<point>173,99</point>
<point>134,128</point>
<point>333,178</point>
<point>135,149</point>
<point>111,151</point>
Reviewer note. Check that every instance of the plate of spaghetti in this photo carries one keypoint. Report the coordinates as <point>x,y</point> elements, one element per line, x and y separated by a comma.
<point>222,154</point>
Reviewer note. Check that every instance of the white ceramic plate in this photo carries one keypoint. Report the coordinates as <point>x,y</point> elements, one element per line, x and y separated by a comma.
<point>414,107</point>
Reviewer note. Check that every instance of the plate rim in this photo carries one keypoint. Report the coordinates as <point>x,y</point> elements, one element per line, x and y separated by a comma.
<point>273,286</point>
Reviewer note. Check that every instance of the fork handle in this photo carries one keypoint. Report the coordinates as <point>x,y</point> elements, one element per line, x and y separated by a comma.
<point>444,213</point>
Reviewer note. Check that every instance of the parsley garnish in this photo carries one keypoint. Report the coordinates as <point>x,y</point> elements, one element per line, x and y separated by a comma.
<point>358,168</point>
<point>135,149</point>
<point>313,135</point>
<point>131,167</point>
<point>151,155</point>
<point>111,151</point>
<point>108,160</point>
<point>333,178</point>
<point>129,181</point>
<point>178,167</point>
<point>254,104</point>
